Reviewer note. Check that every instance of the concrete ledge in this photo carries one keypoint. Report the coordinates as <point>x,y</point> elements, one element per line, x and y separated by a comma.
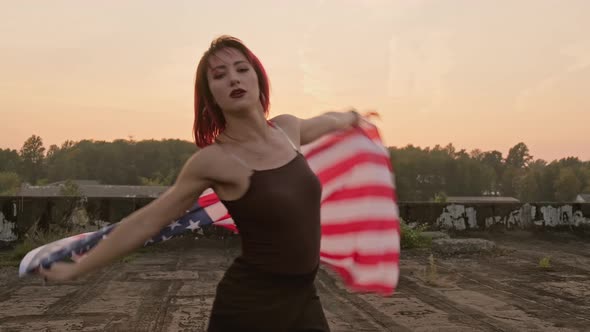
<point>462,246</point>
<point>18,214</point>
<point>457,217</point>
<point>436,235</point>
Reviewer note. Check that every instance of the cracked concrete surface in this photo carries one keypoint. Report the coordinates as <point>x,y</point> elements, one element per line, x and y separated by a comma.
<point>171,288</point>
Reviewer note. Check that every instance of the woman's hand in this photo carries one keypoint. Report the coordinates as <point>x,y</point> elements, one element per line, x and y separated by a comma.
<point>59,271</point>
<point>363,116</point>
<point>313,128</point>
<point>356,118</point>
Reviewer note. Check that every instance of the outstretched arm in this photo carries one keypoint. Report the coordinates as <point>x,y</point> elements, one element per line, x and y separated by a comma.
<point>308,130</point>
<point>316,127</point>
<point>132,232</point>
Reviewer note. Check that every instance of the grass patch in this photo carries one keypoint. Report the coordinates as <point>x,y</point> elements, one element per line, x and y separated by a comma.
<point>431,273</point>
<point>430,276</point>
<point>545,262</point>
<point>6,259</point>
<point>413,237</point>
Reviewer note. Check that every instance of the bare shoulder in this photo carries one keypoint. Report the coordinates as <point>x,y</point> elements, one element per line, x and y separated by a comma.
<point>290,124</point>
<point>287,121</point>
<point>205,163</point>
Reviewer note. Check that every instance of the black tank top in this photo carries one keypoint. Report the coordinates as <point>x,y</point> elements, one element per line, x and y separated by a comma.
<point>278,218</point>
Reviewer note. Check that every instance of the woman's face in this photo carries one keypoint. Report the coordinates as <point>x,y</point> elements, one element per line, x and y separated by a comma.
<point>233,81</point>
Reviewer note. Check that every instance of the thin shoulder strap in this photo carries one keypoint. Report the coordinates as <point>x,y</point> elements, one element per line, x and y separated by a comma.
<point>287,136</point>
<point>238,159</point>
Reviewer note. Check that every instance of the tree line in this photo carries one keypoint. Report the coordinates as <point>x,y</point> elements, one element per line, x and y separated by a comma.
<point>120,162</point>
<point>433,174</point>
<point>421,174</point>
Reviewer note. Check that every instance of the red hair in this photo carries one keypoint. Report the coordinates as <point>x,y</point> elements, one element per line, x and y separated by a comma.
<point>209,120</point>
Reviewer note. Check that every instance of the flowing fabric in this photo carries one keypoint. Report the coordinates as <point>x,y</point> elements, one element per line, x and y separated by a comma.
<point>359,214</point>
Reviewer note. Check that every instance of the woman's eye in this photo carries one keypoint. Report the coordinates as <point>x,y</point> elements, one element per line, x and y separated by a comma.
<point>218,76</point>
<point>243,70</point>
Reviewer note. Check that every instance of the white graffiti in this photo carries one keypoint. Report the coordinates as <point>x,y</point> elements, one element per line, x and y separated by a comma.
<point>7,229</point>
<point>518,218</point>
<point>457,217</point>
<point>579,219</point>
<point>561,216</point>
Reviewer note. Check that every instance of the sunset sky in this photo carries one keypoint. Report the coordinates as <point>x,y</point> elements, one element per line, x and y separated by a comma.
<point>481,74</point>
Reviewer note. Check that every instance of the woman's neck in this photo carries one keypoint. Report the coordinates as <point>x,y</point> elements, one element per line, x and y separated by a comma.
<point>250,126</point>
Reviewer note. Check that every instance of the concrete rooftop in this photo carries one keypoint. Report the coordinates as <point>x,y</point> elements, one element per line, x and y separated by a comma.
<point>171,288</point>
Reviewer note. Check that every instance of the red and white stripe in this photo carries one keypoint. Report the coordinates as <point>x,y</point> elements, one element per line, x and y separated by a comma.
<point>359,213</point>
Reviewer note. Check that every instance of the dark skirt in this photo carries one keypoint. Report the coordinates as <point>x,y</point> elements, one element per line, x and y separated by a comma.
<point>248,299</point>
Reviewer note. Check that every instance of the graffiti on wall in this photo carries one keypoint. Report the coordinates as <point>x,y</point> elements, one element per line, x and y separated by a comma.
<point>457,217</point>
<point>561,216</point>
<point>7,229</point>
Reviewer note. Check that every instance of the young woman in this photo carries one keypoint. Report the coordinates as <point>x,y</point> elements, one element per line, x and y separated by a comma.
<point>255,167</point>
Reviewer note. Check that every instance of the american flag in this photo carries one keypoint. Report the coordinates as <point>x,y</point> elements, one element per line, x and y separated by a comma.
<point>359,214</point>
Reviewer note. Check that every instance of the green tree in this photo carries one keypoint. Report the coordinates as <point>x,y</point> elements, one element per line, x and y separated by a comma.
<point>440,197</point>
<point>32,155</point>
<point>585,180</point>
<point>405,163</point>
<point>548,178</point>
<point>119,162</point>
<point>567,185</point>
<point>9,183</point>
<point>511,181</point>
<point>51,152</point>
<point>494,160</point>
<point>530,186</point>
<point>9,161</point>
<point>518,156</point>
<point>528,190</point>
<point>70,188</point>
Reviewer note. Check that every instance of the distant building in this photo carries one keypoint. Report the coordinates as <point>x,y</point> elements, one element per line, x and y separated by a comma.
<point>481,199</point>
<point>90,188</point>
<point>583,198</point>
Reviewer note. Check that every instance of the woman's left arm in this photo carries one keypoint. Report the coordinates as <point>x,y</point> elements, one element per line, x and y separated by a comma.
<point>316,127</point>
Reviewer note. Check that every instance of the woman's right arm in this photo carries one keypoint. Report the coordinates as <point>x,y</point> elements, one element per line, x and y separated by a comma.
<point>132,232</point>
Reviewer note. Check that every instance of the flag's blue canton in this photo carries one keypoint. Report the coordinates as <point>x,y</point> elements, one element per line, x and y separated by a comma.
<point>194,219</point>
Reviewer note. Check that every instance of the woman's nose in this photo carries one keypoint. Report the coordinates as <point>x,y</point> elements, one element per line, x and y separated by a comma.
<point>233,79</point>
